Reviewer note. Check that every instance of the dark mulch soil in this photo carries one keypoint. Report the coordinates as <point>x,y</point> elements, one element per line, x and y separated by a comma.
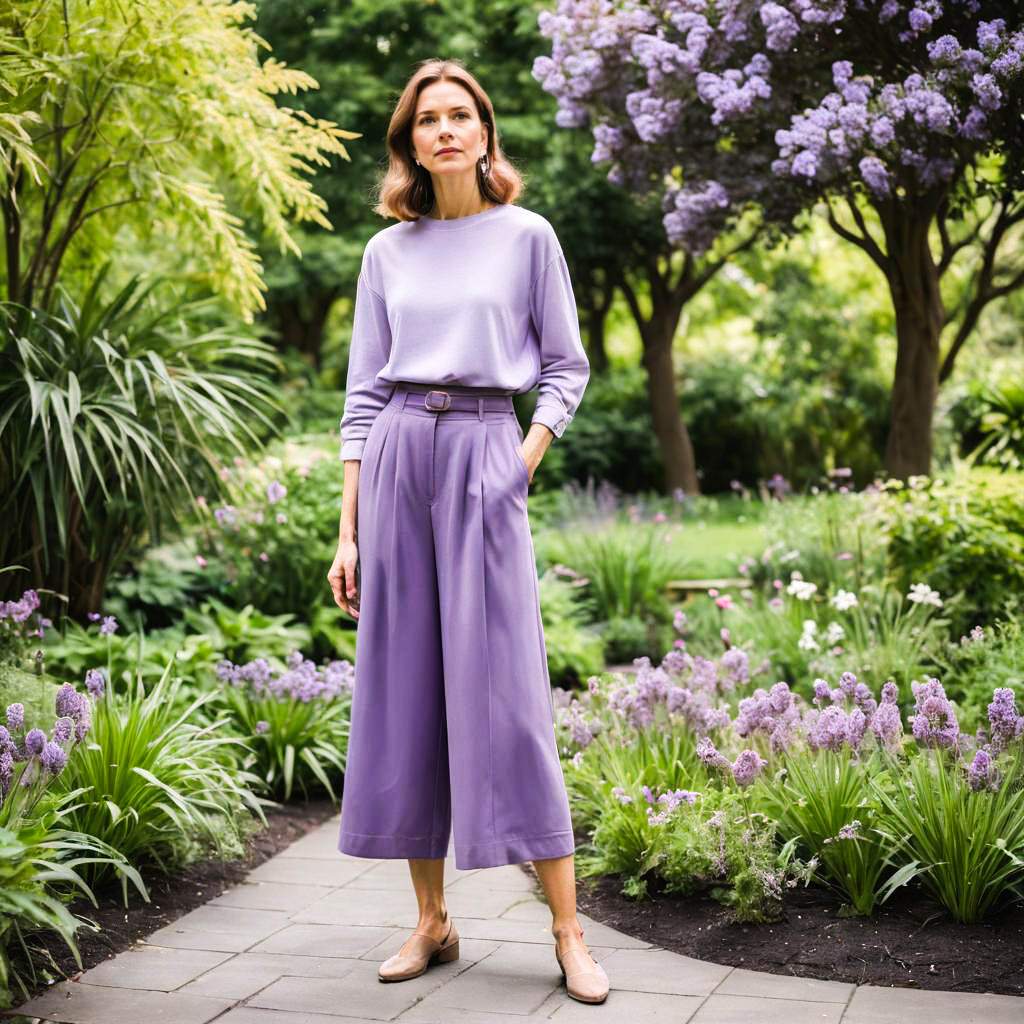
<point>910,942</point>
<point>171,897</point>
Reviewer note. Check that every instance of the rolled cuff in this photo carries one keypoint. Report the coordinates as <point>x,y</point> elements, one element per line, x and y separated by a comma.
<point>352,449</point>
<point>553,416</point>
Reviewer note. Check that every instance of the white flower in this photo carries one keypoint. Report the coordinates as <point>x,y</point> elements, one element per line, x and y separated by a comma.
<point>800,588</point>
<point>921,593</point>
<point>789,556</point>
<point>834,633</point>
<point>808,643</point>
<point>577,759</point>
<point>844,599</point>
<point>810,626</point>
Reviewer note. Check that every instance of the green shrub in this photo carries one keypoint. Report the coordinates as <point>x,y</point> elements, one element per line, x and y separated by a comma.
<point>960,535</point>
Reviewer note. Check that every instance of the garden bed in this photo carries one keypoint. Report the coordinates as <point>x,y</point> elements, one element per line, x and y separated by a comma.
<point>909,943</point>
<point>170,896</point>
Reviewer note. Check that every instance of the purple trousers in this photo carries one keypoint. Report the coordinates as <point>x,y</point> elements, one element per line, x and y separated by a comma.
<point>452,714</point>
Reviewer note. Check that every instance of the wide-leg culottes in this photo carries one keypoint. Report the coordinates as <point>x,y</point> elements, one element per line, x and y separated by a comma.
<point>452,722</point>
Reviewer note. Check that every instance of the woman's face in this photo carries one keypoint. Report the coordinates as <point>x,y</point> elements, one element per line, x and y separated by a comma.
<point>448,136</point>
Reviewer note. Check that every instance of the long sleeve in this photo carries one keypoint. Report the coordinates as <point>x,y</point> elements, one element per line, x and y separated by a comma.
<point>564,367</point>
<point>369,351</point>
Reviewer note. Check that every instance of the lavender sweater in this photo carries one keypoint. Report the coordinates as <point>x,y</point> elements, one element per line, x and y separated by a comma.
<point>482,301</point>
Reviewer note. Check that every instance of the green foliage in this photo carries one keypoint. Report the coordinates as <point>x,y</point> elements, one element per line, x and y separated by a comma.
<point>153,126</point>
<point>293,743</point>
<point>574,650</point>
<point>156,780</point>
<point>816,794</point>
<point>969,845</point>
<point>37,860</point>
<point>627,569</point>
<point>884,636</point>
<point>959,535</point>
<point>111,411</point>
<point>270,543</point>
<point>713,845</point>
<point>987,658</point>
<point>990,424</point>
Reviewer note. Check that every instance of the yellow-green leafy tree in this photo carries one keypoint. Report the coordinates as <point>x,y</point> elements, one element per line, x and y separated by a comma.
<point>152,122</point>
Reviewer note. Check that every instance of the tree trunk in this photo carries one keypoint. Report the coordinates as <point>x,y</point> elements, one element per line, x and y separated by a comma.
<point>669,427</point>
<point>300,321</point>
<point>913,282</point>
<point>596,351</point>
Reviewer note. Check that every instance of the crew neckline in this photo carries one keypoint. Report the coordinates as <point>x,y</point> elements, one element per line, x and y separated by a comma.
<point>436,224</point>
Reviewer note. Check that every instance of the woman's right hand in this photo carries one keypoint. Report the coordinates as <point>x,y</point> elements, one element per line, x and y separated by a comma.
<point>342,578</point>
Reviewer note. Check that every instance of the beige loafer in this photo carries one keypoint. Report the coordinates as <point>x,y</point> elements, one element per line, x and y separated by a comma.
<point>426,951</point>
<point>585,979</point>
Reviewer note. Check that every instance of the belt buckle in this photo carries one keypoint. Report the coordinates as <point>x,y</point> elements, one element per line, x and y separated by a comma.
<point>437,408</point>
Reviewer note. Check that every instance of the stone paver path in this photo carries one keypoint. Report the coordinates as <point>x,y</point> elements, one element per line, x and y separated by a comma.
<point>300,940</point>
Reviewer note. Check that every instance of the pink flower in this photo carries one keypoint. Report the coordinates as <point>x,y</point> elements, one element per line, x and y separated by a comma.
<point>660,517</point>
<point>713,592</point>
<point>264,557</point>
<point>777,584</point>
<point>844,556</point>
<point>201,562</point>
<point>724,602</point>
<point>202,502</point>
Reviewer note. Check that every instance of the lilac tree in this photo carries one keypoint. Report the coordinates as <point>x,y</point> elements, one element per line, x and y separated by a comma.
<point>901,117</point>
<point>603,57</point>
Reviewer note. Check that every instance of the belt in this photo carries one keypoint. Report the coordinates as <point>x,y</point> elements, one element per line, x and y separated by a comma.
<point>440,401</point>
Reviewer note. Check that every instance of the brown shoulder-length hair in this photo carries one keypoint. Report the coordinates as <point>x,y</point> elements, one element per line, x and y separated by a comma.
<point>406,191</point>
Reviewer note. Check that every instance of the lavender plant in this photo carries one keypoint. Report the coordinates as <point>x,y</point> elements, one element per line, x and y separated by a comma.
<point>825,793</point>
<point>963,823</point>
<point>38,857</point>
<point>295,722</point>
<point>161,787</point>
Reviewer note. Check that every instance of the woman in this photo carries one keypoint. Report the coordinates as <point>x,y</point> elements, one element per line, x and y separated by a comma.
<point>461,304</point>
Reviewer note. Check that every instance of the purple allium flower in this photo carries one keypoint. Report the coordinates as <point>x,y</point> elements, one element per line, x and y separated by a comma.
<point>62,729</point>
<point>108,626</point>
<point>830,729</point>
<point>6,771</point>
<point>68,701</point>
<point>935,722</point>
<point>35,740</point>
<point>94,682</point>
<point>850,831</point>
<point>736,663</point>
<point>979,775</point>
<point>747,767</point>
<point>822,692</point>
<point>708,753</point>
<point>1004,723</point>
<point>15,717</point>
<point>275,492</point>
<point>621,795</point>
<point>261,726</point>
<point>53,758</point>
